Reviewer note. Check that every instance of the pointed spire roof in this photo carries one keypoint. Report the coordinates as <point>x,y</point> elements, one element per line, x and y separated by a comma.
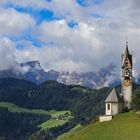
<point>127,50</point>
<point>113,97</point>
<point>126,55</point>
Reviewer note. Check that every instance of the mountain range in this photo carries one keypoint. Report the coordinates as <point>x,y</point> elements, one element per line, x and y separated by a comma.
<point>33,71</point>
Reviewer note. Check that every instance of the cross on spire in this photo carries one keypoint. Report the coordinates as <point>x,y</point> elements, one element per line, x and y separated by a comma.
<point>127,50</point>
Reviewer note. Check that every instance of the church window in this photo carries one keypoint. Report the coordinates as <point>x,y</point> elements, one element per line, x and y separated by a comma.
<point>126,73</point>
<point>108,106</point>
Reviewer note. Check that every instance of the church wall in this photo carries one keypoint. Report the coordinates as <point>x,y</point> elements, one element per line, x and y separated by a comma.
<point>115,108</point>
<point>120,108</point>
<point>105,118</point>
<point>127,93</point>
<point>108,111</point>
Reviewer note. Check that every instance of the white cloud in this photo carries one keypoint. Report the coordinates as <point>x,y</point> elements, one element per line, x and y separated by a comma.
<point>25,3</point>
<point>69,9</point>
<point>95,42</point>
<point>76,49</point>
<point>8,57</point>
<point>7,54</point>
<point>13,22</point>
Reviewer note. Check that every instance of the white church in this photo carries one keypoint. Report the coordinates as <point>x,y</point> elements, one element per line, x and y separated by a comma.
<point>116,102</point>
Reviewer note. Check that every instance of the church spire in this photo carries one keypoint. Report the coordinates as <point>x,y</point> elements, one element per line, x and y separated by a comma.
<point>127,67</point>
<point>126,56</point>
<point>127,50</point>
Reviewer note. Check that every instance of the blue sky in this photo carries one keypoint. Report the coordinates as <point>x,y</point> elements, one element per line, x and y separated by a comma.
<point>86,3</point>
<point>71,35</point>
<point>47,15</point>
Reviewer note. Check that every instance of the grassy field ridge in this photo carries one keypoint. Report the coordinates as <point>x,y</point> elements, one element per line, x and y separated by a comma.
<point>125,126</point>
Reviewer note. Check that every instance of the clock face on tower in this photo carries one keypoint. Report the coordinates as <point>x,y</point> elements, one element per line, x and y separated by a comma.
<point>127,77</point>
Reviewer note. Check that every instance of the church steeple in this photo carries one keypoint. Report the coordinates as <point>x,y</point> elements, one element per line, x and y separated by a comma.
<point>126,49</point>
<point>127,56</point>
<point>127,66</point>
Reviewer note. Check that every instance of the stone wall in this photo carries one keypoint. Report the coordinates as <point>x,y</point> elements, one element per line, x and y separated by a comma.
<point>105,118</point>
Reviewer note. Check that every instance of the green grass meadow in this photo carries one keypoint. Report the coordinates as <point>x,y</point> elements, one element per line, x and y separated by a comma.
<point>14,108</point>
<point>125,126</point>
<point>52,123</point>
<point>71,132</point>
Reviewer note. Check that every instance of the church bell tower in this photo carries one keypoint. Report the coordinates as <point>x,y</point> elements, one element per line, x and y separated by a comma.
<point>127,66</point>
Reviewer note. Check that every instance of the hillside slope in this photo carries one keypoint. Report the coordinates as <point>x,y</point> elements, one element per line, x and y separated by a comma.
<point>23,96</point>
<point>123,127</point>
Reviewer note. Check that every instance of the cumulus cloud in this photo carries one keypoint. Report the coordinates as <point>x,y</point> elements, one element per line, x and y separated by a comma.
<point>98,38</point>
<point>8,57</point>
<point>13,22</point>
<point>72,49</point>
<point>25,3</point>
<point>7,54</point>
<point>69,9</point>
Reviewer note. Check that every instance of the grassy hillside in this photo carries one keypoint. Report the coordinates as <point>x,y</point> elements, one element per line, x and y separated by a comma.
<point>71,132</point>
<point>123,127</point>
<point>52,123</point>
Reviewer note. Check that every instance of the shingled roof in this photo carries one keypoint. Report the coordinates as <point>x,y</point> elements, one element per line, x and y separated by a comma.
<point>113,97</point>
